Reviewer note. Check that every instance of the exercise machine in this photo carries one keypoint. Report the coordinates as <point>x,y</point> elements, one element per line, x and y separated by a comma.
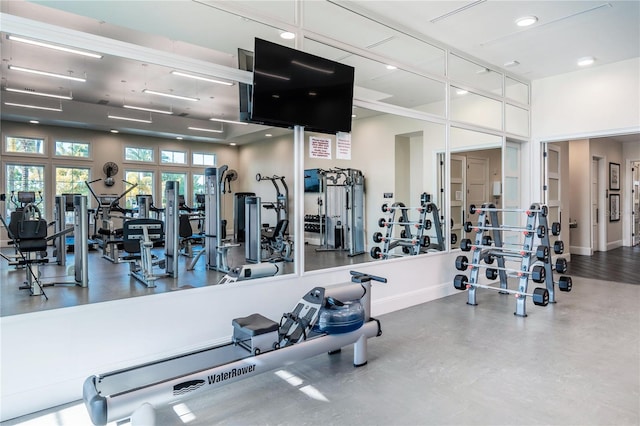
<point>252,271</point>
<point>264,243</point>
<point>28,231</point>
<point>281,205</point>
<point>325,320</point>
<point>341,210</point>
<point>142,234</point>
<point>105,231</point>
<point>216,245</point>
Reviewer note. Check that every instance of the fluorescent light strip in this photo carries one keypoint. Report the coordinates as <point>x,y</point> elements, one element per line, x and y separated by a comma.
<point>221,120</point>
<point>195,77</point>
<point>205,130</point>
<point>138,120</point>
<point>159,111</point>
<point>46,73</point>
<point>169,95</point>
<point>32,92</point>
<point>55,47</point>
<point>32,106</point>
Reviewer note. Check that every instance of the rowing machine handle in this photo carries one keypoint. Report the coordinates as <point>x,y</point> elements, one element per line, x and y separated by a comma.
<point>359,277</point>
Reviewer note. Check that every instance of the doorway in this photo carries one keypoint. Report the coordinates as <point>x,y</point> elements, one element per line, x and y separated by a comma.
<point>635,203</point>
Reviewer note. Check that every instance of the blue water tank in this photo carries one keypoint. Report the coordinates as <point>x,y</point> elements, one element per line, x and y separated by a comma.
<point>335,319</point>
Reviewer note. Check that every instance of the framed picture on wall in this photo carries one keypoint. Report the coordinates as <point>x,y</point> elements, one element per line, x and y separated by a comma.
<point>614,207</point>
<point>614,177</point>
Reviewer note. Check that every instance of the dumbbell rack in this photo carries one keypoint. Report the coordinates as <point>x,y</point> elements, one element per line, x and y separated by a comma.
<point>536,227</point>
<point>410,242</point>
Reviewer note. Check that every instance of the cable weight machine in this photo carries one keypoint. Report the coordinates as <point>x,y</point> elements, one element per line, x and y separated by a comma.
<point>341,210</point>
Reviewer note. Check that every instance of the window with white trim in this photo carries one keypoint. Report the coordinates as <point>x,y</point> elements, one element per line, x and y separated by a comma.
<point>203,159</point>
<point>72,149</point>
<point>15,144</point>
<point>138,154</point>
<point>173,157</point>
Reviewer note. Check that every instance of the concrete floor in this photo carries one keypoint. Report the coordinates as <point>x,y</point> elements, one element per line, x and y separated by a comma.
<point>446,363</point>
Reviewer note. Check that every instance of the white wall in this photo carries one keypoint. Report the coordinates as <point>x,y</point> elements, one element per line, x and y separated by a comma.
<point>597,101</point>
<point>65,346</point>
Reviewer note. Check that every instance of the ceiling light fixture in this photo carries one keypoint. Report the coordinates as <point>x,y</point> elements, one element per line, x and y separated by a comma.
<point>197,77</point>
<point>222,120</point>
<point>586,61</point>
<point>232,144</point>
<point>33,92</point>
<point>511,64</point>
<point>526,21</point>
<point>461,92</point>
<point>114,131</point>
<point>54,46</point>
<point>392,67</point>
<point>159,111</point>
<point>46,73</point>
<point>33,106</point>
<point>287,35</point>
<point>170,95</point>
<point>137,120</point>
<point>34,122</point>
<point>206,130</point>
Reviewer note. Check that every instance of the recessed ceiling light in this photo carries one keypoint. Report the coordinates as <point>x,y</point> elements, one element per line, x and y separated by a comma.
<point>461,92</point>
<point>525,21</point>
<point>392,67</point>
<point>511,64</point>
<point>179,138</point>
<point>353,116</point>
<point>287,35</point>
<point>114,131</point>
<point>34,122</point>
<point>232,144</point>
<point>268,135</point>
<point>586,61</point>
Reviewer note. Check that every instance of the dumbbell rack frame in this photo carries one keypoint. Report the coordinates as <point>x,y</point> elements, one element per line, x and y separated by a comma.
<point>390,242</point>
<point>527,262</point>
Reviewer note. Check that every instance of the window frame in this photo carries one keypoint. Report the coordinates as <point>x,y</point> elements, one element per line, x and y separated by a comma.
<point>89,156</point>
<point>174,163</point>
<point>212,154</point>
<point>45,144</point>
<point>151,149</point>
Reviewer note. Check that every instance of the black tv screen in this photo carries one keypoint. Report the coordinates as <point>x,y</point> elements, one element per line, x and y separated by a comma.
<point>311,180</point>
<point>291,87</point>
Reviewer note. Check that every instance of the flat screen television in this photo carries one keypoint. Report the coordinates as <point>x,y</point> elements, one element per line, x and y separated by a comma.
<point>311,180</point>
<point>291,87</point>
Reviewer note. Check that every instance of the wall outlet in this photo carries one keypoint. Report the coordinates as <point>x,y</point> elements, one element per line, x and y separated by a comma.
<point>388,195</point>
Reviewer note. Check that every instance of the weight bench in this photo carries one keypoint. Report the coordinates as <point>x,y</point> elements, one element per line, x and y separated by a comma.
<point>138,236</point>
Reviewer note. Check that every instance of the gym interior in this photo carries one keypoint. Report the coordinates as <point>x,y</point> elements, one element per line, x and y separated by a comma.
<point>485,239</point>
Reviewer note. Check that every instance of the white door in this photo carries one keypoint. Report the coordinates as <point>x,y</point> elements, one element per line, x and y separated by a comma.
<point>477,185</point>
<point>553,188</point>
<point>595,220</point>
<point>457,193</point>
<point>635,197</point>
<point>511,191</point>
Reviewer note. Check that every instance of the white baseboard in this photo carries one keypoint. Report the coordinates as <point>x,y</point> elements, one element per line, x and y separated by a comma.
<point>409,299</point>
<point>614,245</point>
<point>583,251</point>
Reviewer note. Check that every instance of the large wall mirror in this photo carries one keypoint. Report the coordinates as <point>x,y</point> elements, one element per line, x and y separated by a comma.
<point>475,176</point>
<point>395,156</point>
